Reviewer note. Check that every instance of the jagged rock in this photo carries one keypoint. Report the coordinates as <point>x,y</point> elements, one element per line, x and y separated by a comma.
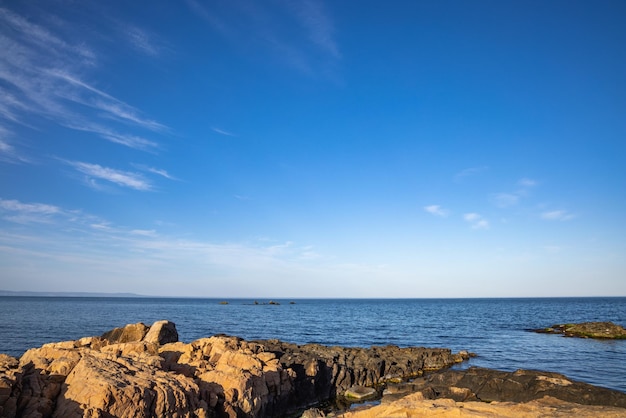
<point>8,379</point>
<point>126,374</point>
<point>162,332</point>
<point>417,405</point>
<point>143,372</point>
<point>313,413</point>
<point>598,330</point>
<point>126,334</point>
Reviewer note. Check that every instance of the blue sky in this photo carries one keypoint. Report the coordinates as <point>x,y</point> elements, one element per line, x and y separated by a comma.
<point>314,149</point>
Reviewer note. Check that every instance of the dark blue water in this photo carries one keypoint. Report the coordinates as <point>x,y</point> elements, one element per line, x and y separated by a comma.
<point>495,329</point>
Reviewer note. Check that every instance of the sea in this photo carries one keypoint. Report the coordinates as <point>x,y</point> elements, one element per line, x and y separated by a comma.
<point>498,331</point>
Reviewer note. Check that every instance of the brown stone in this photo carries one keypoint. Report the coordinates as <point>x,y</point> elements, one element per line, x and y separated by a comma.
<point>416,405</point>
<point>597,330</point>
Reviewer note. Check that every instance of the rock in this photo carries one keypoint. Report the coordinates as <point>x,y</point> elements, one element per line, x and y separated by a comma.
<point>360,393</point>
<point>313,413</point>
<point>417,405</point>
<point>8,379</point>
<point>598,330</point>
<point>126,334</point>
<point>321,373</point>
<point>487,385</point>
<point>162,332</point>
<point>129,372</point>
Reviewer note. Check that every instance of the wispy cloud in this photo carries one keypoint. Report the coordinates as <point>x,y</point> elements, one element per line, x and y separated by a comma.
<point>27,213</point>
<point>157,171</point>
<point>222,132</point>
<point>121,178</point>
<point>507,199</point>
<point>305,40</point>
<point>437,210</point>
<point>315,19</point>
<point>42,78</point>
<point>476,221</point>
<point>557,215</point>
<point>86,243</point>
<point>141,40</point>
<point>468,172</point>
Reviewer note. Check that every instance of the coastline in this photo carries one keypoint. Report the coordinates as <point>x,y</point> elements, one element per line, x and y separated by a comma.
<point>228,376</point>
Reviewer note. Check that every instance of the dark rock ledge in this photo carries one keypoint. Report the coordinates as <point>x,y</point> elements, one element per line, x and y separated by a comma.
<point>597,330</point>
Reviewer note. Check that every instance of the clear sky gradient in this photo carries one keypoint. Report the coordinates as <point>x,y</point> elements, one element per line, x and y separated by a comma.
<point>240,148</point>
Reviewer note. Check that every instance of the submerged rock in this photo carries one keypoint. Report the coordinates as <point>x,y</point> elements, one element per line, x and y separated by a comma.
<point>598,330</point>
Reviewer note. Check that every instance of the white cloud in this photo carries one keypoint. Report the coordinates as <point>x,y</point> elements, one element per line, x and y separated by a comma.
<point>557,215</point>
<point>504,200</point>
<point>470,217</point>
<point>119,177</point>
<point>476,221</point>
<point>527,183</point>
<point>436,210</point>
<point>507,199</point>
<point>39,213</point>
<point>222,132</point>
<point>39,208</point>
<point>469,172</point>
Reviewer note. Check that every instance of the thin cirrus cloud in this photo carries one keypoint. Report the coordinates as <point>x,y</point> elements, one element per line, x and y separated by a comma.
<point>557,215</point>
<point>476,221</point>
<point>306,43</point>
<point>222,132</point>
<point>121,178</point>
<point>469,172</point>
<point>437,210</point>
<point>42,78</point>
<point>141,40</point>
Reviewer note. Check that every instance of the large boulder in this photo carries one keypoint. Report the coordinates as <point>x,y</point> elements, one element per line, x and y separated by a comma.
<point>126,334</point>
<point>162,332</point>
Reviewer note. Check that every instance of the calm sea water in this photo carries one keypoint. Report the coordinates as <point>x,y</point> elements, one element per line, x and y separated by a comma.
<point>495,329</point>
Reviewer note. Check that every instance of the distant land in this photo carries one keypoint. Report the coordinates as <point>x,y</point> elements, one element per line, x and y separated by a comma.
<point>70,294</point>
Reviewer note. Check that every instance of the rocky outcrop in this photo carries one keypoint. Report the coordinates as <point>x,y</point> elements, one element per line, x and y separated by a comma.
<point>141,371</point>
<point>598,330</point>
<point>417,405</point>
<point>488,385</point>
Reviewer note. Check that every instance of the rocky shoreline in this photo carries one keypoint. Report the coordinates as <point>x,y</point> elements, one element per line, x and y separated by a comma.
<point>141,371</point>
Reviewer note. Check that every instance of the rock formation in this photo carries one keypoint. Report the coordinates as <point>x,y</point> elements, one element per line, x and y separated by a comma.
<point>487,385</point>
<point>598,330</point>
<point>140,371</point>
<point>417,406</point>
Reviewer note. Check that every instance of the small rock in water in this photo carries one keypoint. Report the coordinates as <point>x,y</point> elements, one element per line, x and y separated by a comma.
<point>360,392</point>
